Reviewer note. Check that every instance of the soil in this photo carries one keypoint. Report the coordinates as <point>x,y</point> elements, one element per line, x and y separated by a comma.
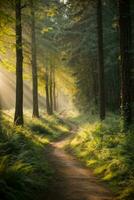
<point>72,180</point>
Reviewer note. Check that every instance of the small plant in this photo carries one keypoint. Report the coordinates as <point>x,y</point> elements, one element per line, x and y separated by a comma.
<point>23,167</point>
<point>109,152</point>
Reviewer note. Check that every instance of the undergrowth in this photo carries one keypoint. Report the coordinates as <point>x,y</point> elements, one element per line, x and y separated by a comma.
<point>108,151</point>
<point>24,171</point>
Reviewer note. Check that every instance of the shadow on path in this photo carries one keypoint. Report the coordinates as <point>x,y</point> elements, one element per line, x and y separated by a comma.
<point>72,180</point>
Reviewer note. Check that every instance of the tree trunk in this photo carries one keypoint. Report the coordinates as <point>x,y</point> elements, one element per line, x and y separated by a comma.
<point>47,91</point>
<point>51,90</point>
<point>34,63</point>
<point>100,60</point>
<point>54,90</point>
<point>18,118</point>
<point>125,54</point>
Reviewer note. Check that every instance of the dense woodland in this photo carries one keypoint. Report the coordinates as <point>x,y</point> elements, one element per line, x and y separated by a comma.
<point>66,66</point>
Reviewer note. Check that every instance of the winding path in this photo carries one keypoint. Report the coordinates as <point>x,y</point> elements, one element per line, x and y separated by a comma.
<point>72,180</point>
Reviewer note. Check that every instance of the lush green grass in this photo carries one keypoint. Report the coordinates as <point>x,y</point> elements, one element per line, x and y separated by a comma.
<point>51,127</point>
<point>108,151</point>
<point>24,171</point>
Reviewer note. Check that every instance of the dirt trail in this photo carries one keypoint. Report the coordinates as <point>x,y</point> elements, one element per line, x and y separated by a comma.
<point>72,180</point>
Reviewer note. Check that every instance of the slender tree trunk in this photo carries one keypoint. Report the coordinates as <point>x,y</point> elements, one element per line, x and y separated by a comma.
<point>57,100</point>
<point>34,63</point>
<point>54,90</point>
<point>100,60</point>
<point>51,90</point>
<point>18,118</point>
<point>125,54</point>
<point>0,114</point>
<point>47,91</point>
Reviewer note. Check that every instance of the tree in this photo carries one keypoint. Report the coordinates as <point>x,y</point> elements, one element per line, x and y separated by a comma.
<point>125,60</point>
<point>51,89</point>
<point>18,118</point>
<point>34,63</point>
<point>100,60</point>
<point>54,91</point>
<point>47,89</point>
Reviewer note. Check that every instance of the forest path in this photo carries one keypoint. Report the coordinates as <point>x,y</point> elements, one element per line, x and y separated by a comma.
<point>72,180</point>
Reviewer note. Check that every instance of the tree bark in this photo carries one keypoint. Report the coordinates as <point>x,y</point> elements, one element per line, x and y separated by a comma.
<point>18,118</point>
<point>47,91</point>
<point>54,90</point>
<point>34,63</point>
<point>51,90</point>
<point>125,57</point>
<point>100,60</point>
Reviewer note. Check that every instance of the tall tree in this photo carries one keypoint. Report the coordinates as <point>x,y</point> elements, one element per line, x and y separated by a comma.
<point>125,55</point>
<point>51,89</point>
<point>54,90</point>
<point>18,118</point>
<point>100,60</point>
<point>34,62</point>
<point>47,90</point>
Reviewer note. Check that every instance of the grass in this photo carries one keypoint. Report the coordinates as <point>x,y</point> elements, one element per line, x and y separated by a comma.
<point>51,127</point>
<point>24,171</point>
<point>109,152</point>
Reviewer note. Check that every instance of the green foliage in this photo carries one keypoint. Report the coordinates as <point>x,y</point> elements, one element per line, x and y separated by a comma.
<point>109,152</point>
<point>20,169</point>
<point>50,127</point>
<point>24,171</point>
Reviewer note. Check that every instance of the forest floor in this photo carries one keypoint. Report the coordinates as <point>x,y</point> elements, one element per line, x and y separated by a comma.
<point>72,180</point>
<point>65,158</point>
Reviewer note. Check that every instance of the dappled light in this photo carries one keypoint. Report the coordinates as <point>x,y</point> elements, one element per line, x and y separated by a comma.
<point>8,88</point>
<point>7,91</point>
<point>66,100</point>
